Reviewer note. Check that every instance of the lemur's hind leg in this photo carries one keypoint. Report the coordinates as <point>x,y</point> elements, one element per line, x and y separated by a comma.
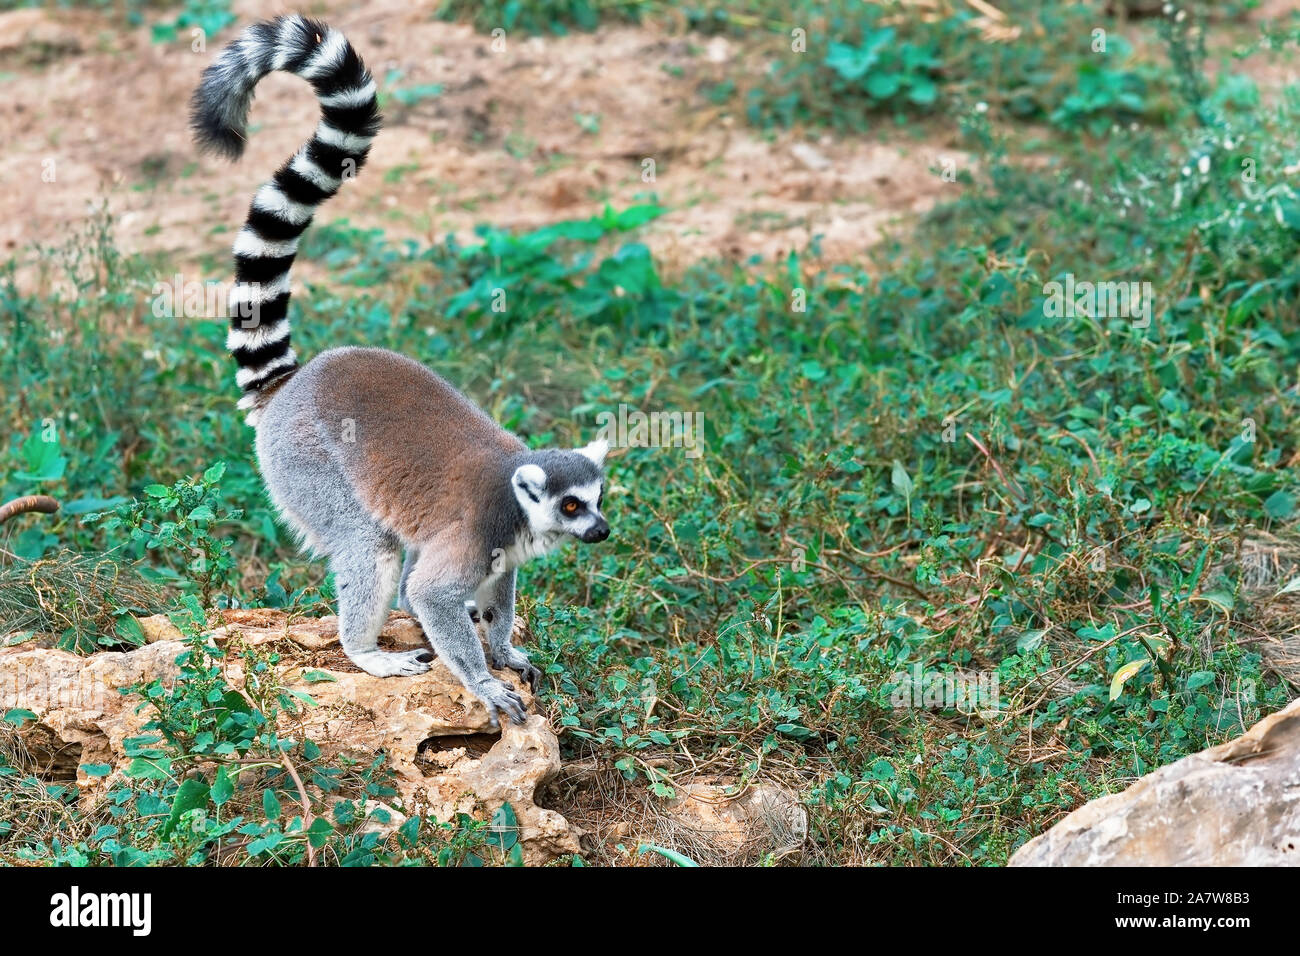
<point>315,499</point>
<point>439,603</point>
<point>366,570</point>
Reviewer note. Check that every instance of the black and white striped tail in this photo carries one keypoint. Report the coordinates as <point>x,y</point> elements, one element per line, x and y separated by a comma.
<point>282,209</point>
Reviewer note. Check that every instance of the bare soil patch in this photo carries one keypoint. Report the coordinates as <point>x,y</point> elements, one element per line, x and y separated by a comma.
<point>549,129</point>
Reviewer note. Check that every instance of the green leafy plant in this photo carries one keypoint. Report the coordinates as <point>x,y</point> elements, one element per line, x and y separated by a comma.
<point>884,68</point>
<point>208,16</point>
<point>183,520</point>
<point>539,16</point>
<point>1102,98</point>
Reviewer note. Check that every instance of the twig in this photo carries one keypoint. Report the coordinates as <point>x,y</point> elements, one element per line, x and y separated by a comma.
<point>1086,448</point>
<point>42,503</point>
<point>1011,483</point>
<point>307,819</point>
<point>993,13</point>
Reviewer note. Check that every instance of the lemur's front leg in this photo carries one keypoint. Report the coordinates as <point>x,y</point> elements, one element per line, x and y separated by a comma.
<point>440,607</point>
<point>495,600</point>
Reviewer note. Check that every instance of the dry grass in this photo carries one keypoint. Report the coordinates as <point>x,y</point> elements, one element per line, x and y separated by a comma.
<point>75,596</point>
<point>714,820</point>
<point>29,815</point>
<point>1269,563</point>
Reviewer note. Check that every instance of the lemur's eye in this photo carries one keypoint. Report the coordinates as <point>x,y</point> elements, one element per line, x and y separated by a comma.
<point>570,506</point>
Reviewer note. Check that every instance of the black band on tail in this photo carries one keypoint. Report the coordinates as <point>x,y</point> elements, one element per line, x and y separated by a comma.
<point>282,209</point>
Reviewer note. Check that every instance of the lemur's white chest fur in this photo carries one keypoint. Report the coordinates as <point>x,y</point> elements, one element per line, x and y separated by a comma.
<point>529,545</point>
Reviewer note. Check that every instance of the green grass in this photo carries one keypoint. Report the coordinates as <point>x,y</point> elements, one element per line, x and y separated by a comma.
<point>907,461</point>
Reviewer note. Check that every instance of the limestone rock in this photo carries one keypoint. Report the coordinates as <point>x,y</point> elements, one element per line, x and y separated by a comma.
<point>83,715</point>
<point>810,157</point>
<point>1237,804</point>
<point>446,756</point>
<point>158,627</point>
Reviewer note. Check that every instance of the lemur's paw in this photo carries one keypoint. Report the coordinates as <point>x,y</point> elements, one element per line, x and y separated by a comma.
<point>499,696</point>
<point>517,660</point>
<point>393,663</point>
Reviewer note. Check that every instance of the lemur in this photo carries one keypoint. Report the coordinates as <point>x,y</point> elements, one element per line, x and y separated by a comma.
<point>364,452</point>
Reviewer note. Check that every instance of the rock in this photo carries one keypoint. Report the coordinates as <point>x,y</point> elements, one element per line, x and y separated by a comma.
<point>1237,804</point>
<point>381,818</point>
<point>445,755</point>
<point>83,717</point>
<point>158,627</point>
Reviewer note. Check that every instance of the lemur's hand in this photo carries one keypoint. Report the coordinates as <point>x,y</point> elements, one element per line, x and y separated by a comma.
<point>497,695</point>
<point>516,660</point>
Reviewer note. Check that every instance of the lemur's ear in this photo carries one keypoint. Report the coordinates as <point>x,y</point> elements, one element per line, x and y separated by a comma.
<point>595,452</point>
<point>529,481</point>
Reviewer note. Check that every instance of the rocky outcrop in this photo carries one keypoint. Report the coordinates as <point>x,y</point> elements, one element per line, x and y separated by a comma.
<point>445,754</point>
<point>1237,804</point>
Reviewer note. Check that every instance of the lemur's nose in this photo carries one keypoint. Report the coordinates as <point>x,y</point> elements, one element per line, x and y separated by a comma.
<point>597,532</point>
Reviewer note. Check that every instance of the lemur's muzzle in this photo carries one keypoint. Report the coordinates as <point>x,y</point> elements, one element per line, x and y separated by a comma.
<point>597,532</point>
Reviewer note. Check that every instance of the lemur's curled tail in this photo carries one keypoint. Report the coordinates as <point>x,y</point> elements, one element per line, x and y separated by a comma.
<point>282,209</point>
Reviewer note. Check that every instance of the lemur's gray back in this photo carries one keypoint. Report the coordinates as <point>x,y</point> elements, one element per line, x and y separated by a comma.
<point>422,460</point>
<point>282,209</point>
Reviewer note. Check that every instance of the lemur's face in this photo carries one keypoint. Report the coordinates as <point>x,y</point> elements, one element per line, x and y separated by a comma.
<point>563,493</point>
<point>578,512</point>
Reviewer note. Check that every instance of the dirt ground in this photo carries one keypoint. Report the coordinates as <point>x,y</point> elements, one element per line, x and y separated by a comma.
<point>552,128</point>
<point>549,129</point>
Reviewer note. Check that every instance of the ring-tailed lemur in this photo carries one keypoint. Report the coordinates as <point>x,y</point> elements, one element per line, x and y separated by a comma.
<point>365,452</point>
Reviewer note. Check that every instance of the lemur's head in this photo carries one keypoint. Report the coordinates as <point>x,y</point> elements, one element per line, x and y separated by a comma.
<point>561,492</point>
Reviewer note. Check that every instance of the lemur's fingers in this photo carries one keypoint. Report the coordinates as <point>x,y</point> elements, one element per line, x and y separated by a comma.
<point>516,660</point>
<point>515,706</point>
<point>531,675</point>
<point>414,665</point>
<point>498,696</point>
